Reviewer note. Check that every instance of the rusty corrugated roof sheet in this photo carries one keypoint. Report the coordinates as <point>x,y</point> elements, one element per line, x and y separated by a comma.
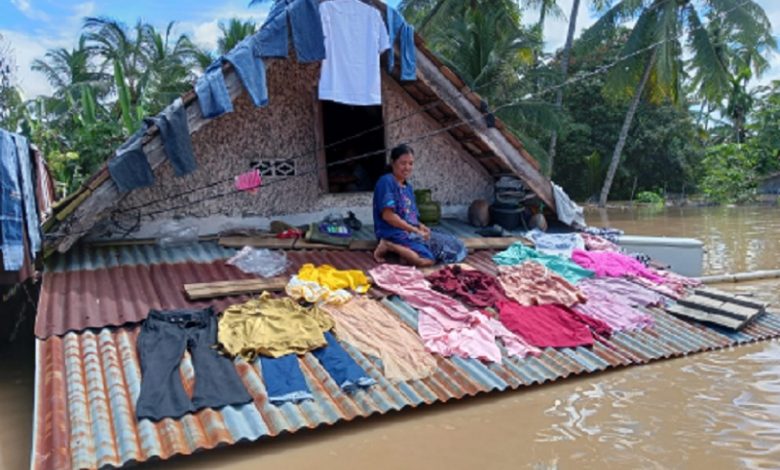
<point>87,385</point>
<point>87,382</point>
<point>112,286</point>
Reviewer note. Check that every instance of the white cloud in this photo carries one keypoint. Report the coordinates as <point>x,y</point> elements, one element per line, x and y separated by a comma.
<point>555,29</point>
<point>26,48</point>
<point>26,7</point>
<point>205,33</point>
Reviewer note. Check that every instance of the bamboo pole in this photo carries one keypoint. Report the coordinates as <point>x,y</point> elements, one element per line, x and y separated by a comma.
<point>741,277</point>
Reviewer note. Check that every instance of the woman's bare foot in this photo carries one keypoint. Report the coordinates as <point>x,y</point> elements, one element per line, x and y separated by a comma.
<point>381,250</point>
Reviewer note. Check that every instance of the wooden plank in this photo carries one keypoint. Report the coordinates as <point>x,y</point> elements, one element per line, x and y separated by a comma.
<point>319,143</point>
<point>362,245</point>
<point>258,242</point>
<point>301,244</point>
<point>210,290</point>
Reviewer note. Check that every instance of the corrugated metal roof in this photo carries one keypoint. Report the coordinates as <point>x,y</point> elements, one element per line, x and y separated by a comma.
<point>87,257</point>
<point>111,286</point>
<point>87,385</point>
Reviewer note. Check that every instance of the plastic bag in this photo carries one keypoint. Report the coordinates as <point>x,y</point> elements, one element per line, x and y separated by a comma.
<point>260,261</point>
<point>174,233</point>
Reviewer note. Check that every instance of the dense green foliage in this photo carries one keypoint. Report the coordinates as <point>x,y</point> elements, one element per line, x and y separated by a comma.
<point>656,99</point>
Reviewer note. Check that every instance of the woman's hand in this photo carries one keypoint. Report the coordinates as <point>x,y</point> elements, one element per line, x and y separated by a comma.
<point>424,232</point>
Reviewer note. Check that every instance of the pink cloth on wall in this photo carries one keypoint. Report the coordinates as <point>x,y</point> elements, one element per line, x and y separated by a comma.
<point>249,181</point>
<point>613,264</point>
<point>445,325</point>
<point>552,326</point>
<point>531,283</point>
<point>615,302</point>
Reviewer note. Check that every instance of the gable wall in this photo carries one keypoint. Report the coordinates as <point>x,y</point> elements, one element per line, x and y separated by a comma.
<point>285,129</point>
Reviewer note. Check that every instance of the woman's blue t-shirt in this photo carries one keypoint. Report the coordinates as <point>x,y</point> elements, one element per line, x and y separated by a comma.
<point>389,193</point>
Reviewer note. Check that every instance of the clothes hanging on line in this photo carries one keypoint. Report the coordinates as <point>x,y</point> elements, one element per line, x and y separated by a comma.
<point>303,16</point>
<point>129,168</point>
<point>250,70</point>
<point>398,28</point>
<point>175,135</point>
<point>213,97</point>
<point>164,337</point>
<point>27,184</point>
<point>355,36</point>
<point>12,216</point>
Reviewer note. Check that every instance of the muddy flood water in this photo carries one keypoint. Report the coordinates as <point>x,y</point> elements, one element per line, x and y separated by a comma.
<point>711,410</point>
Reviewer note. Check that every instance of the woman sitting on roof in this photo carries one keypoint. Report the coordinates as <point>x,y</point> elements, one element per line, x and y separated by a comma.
<point>396,219</point>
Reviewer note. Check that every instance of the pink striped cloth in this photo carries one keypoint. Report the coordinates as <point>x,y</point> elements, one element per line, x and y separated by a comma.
<point>615,302</point>
<point>446,326</point>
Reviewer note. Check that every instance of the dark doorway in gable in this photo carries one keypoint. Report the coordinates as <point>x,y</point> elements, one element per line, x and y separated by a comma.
<point>340,123</point>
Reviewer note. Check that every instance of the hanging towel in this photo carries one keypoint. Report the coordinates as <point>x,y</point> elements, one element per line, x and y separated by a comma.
<point>397,27</point>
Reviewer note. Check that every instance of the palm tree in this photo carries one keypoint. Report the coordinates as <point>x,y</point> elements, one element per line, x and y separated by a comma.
<point>66,70</point>
<point>169,63</point>
<point>437,15</point>
<point>654,65</point>
<point>564,67</point>
<point>233,32</point>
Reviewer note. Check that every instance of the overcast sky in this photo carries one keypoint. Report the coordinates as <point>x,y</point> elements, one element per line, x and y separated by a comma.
<point>33,26</point>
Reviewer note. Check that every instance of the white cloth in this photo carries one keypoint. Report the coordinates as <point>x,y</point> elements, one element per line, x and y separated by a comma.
<point>561,244</point>
<point>355,36</point>
<point>568,211</point>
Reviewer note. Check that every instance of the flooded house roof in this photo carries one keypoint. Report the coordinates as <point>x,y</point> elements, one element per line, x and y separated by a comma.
<point>438,92</point>
<point>88,374</point>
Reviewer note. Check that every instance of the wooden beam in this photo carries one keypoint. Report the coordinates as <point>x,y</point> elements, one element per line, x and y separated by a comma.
<point>515,158</point>
<point>210,290</point>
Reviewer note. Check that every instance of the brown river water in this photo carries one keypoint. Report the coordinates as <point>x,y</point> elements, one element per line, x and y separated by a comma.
<point>712,410</point>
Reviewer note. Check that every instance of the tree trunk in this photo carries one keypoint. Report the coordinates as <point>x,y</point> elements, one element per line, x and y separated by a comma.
<point>575,8</point>
<point>640,88</point>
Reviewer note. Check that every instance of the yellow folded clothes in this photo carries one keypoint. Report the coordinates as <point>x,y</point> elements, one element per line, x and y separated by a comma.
<point>314,293</point>
<point>332,278</point>
<point>272,327</point>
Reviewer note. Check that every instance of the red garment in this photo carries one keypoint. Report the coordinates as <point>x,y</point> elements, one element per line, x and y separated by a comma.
<point>553,326</point>
<point>472,287</point>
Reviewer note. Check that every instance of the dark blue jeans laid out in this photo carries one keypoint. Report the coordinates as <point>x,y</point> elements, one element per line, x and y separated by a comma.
<point>304,18</point>
<point>285,382</point>
<point>175,135</point>
<point>130,168</point>
<point>397,27</point>
<point>164,337</point>
<point>27,184</point>
<point>11,212</point>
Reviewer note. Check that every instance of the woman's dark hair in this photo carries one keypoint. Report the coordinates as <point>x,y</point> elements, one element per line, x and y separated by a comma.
<point>399,151</point>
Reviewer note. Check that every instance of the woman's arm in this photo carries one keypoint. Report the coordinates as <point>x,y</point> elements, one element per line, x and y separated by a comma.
<point>389,216</point>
